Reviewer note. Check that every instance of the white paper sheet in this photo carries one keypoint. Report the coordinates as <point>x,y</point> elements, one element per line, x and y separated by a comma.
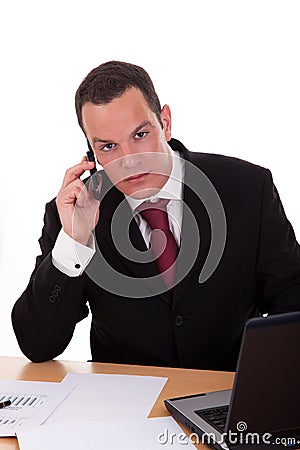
<point>32,403</point>
<point>147,434</point>
<point>108,397</point>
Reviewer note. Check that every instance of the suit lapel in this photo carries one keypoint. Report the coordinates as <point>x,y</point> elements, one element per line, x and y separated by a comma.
<point>195,238</point>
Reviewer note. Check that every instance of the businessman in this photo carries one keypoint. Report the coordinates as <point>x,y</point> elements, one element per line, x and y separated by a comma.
<point>173,255</point>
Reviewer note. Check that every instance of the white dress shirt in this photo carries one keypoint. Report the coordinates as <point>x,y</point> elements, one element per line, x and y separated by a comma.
<point>71,257</point>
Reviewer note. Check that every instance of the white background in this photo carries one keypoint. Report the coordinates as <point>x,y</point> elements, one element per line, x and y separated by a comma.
<point>229,70</point>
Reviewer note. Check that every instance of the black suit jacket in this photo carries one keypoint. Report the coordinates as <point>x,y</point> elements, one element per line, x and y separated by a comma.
<point>200,324</point>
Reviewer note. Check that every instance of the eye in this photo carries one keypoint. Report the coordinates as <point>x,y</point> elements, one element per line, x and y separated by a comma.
<point>107,147</point>
<point>141,135</point>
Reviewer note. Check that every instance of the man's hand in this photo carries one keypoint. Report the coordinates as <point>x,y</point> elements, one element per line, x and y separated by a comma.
<point>78,209</point>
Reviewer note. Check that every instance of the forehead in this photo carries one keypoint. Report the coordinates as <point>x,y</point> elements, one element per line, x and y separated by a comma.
<point>125,112</point>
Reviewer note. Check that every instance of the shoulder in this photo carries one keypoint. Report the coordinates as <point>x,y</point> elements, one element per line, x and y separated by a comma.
<point>220,167</point>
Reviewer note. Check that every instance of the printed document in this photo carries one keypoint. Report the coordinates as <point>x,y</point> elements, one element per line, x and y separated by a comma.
<point>31,403</point>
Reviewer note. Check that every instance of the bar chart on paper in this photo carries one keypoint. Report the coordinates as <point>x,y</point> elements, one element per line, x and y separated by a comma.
<point>31,403</point>
<point>19,402</point>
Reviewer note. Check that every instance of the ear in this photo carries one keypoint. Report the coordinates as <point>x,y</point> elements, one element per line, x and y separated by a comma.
<point>165,117</point>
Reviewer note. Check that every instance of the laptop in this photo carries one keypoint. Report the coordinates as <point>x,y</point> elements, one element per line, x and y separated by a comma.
<point>263,408</point>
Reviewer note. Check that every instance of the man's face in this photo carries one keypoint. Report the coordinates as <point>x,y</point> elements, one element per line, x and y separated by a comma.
<point>130,143</point>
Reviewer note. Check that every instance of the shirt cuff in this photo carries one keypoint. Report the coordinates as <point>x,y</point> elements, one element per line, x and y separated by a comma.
<point>71,257</point>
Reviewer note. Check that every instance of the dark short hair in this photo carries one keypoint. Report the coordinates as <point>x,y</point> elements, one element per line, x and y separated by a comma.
<point>109,81</point>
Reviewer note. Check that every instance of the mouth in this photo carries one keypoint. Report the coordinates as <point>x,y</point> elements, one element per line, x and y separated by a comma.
<point>137,178</point>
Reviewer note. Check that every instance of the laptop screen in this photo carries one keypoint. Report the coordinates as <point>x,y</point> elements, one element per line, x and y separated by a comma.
<point>266,393</point>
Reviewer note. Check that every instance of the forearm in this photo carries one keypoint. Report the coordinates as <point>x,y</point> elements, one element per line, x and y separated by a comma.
<point>278,263</point>
<point>45,315</point>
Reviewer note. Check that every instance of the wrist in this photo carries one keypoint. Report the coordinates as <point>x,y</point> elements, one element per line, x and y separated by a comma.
<point>85,239</point>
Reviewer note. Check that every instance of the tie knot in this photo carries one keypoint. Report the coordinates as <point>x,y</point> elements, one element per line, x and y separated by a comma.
<point>155,214</point>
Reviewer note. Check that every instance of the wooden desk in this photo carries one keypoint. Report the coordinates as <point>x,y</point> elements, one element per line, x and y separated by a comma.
<point>180,381</point>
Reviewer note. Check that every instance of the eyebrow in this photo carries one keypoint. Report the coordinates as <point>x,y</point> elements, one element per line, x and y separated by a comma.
<point>136,130</point>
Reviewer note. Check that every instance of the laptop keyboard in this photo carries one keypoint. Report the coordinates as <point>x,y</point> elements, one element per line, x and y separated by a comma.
<point>215,416</point>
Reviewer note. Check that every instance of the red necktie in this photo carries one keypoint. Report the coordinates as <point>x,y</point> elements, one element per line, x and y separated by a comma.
<point>163,245</point>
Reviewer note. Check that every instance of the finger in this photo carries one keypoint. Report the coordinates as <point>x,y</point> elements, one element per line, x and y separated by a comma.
<point>82,197</point>
<point>75,172</point>
<point>71,193</point>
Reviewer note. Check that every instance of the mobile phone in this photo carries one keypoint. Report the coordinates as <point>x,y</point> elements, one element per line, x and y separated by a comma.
<point>95,180</point>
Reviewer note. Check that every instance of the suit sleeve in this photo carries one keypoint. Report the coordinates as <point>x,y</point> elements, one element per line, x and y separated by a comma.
<point>278,259</point>
<point>45,315</point>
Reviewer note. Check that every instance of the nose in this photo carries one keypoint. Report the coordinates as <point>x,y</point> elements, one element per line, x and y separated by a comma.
<point>129,159</point>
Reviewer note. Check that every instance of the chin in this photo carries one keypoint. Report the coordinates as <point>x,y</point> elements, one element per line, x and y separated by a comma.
<point>145,193</point>
<point>140,192</point>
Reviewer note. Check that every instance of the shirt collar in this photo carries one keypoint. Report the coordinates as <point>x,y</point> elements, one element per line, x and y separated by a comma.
<point>171,190</point>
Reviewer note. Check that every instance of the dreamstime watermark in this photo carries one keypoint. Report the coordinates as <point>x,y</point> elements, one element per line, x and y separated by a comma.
<point>107,277</point>
<point>239,437</point>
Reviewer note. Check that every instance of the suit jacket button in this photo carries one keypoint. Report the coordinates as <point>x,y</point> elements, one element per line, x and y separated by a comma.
<point>179,321</point>
<point>57,287</point>
<point>52,299</point>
